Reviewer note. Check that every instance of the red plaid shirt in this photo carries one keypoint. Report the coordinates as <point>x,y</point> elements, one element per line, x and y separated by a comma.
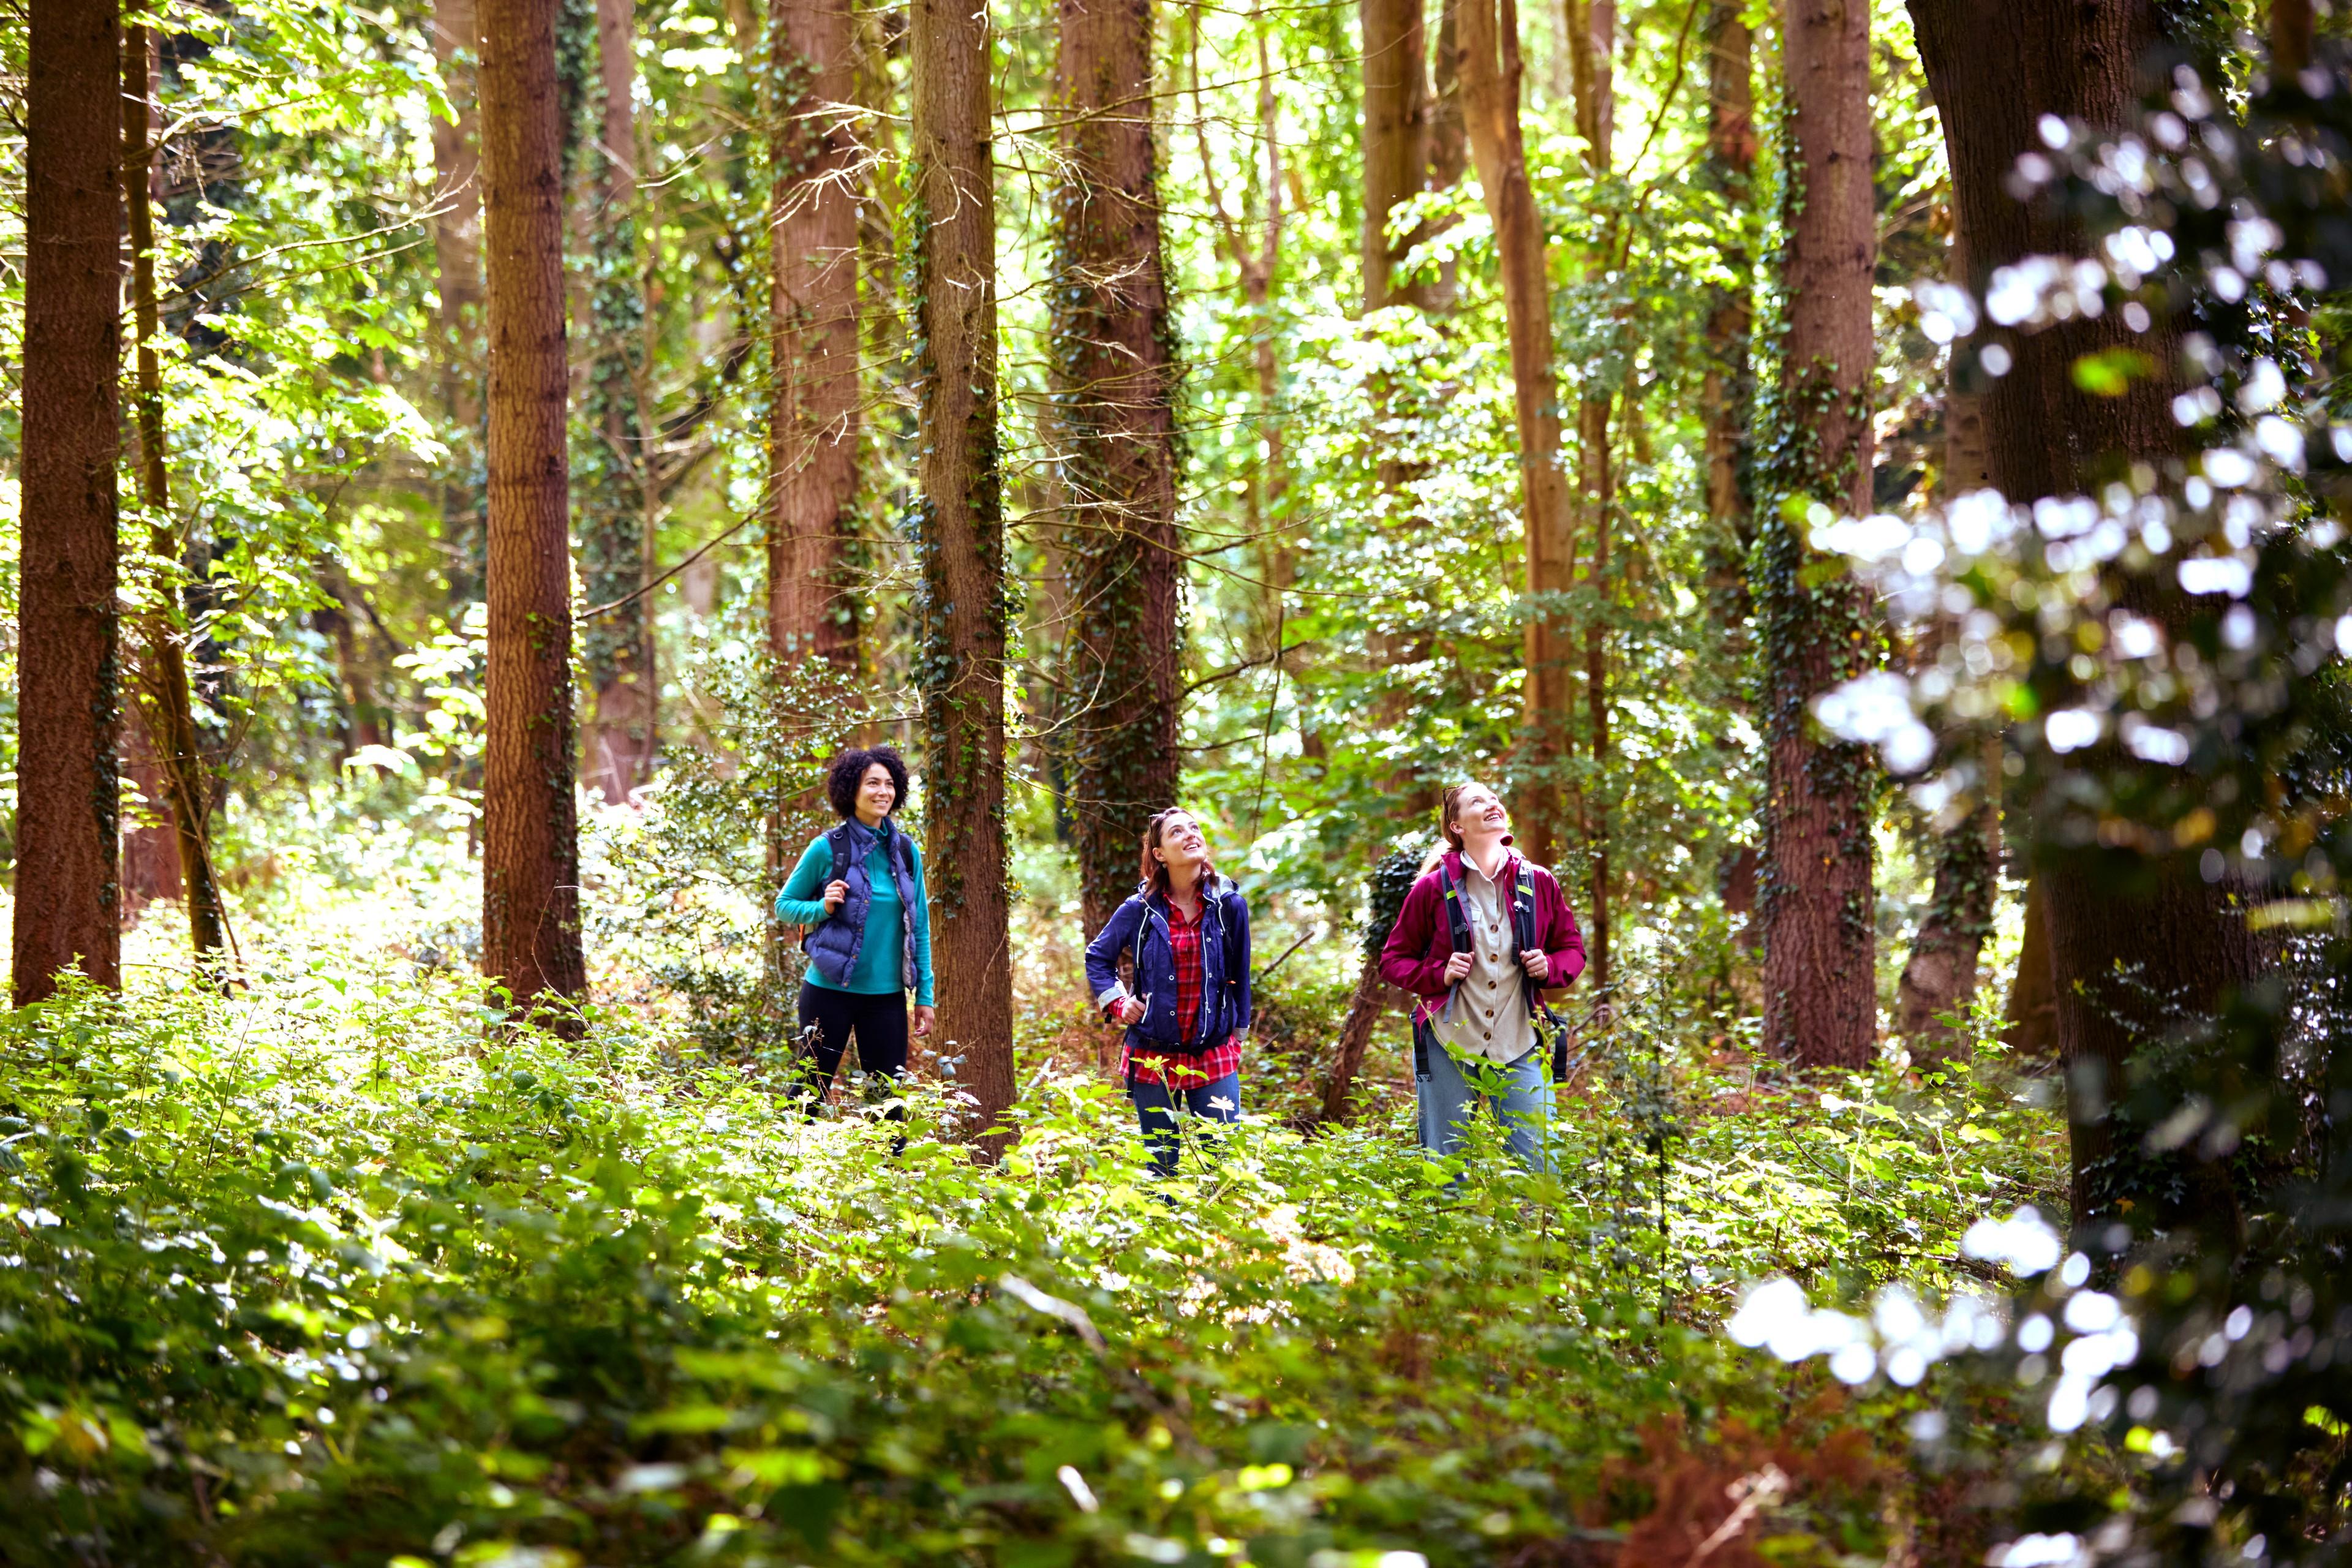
<point>1157,1064</point>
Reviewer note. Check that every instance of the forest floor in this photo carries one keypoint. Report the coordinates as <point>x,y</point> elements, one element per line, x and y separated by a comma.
<point>327,1269</point>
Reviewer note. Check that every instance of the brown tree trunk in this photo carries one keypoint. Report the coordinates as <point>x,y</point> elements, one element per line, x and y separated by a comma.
<point>150,849</point>
<point>1727,391</point>
<point>813,423</point>
<point>2109,910</point>
<point>68,893</point>
<point>1491,69</point>
<point>618,497</point>
<point>2032,1011</point>
<point>1596,483</point>
<point>1115,427</point>
<point>162,674</point>
<point>2290,38</point>
<point>458,266</point>
<point>530,853</point>
<point>1365,1005</point>
<point>1396,133</point>
<point>961,662</point>
<point>1821,993</point>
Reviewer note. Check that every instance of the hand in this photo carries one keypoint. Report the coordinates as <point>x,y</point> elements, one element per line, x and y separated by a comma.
<point>1537,963</point>
<point>834,893</point>
<point>924,1018</point>
<point>1131,1010</point>
<point>1456,967</point>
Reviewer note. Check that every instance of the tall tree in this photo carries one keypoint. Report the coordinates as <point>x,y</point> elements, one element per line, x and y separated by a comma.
<point>165,702</point>
<point>951,289</point>
<point>67,890</point>
<point>617,499</point>
<point>457,272</point>
<point>1491,70</point>
<point>1594,72</point>
<point>1939,975</point>
<point>1114,430</point>
<point>2110,909</point>
<point>1727,391</point>
<point>812,420</point>
<point>1395,69</point>
<point>530,851</point>
<point>1821,993</point>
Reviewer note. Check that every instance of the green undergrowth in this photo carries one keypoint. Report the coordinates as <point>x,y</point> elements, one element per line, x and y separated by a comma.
<point>334,1270</point>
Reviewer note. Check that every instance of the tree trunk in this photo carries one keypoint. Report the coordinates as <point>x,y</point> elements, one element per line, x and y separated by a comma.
<point>162,674</point>
<point>2109,910</point>
<point>812,422</point>
<point>1596,484</point>
<point>1940,976</point>
<point>1365,1007</point>
<point>2032,1011</point>
<point>68,893</point>
<point>1396,133</point>
<point>2290,38</point>
<point>1821,994</point>
<point>457,265</point>
<point>617,499</point>
<point>1727,392</point>
<point>530,853</point>
<point>961,610</point>
<point>1491,69</point>
<point>1114,373</point>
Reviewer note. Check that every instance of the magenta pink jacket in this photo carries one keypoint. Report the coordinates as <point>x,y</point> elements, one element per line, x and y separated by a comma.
<point>1414,956</point>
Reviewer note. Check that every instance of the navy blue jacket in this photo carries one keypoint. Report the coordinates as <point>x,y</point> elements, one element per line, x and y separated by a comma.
<point>1141,924</point>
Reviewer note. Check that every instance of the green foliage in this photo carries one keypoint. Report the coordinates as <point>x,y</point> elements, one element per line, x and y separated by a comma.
<point>323,1271</point>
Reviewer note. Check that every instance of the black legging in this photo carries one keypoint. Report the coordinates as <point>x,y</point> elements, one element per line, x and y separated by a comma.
<point>878,1022</point>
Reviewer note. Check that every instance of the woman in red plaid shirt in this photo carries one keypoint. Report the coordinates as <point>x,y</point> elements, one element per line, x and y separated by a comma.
<point>1187,1012</point>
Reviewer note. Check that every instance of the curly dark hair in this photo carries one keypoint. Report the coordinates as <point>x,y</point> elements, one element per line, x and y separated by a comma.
<point>848,770</point>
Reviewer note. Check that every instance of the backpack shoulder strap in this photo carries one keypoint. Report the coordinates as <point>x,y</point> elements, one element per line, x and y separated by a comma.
<point>1457,919</point>
<point>837,840</point>
<point>1523,907</point>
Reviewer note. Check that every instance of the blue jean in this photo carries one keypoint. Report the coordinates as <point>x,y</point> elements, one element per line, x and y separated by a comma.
<point>1156,1108</point>
<point>1519,1093</point>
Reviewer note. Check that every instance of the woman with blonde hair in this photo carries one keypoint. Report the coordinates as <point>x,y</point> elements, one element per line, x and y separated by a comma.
<point>1484,933</point>
<point>1188,1013</point>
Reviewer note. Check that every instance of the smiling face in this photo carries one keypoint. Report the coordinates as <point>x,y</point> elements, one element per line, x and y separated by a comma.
<point>878,794</point>
<point>1477,813</point>
<point>1181,844</point>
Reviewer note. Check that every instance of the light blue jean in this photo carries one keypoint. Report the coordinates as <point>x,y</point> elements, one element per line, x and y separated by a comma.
<point>1157,1107</point>
<point>1519,1093</point>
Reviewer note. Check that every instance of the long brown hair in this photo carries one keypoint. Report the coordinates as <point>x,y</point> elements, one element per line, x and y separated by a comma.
<point>1155,870</point>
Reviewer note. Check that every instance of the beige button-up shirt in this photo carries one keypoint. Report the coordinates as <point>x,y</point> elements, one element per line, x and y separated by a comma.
<point>1486,1016</point>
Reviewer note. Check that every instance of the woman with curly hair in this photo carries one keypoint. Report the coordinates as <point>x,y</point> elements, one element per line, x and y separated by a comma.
<point>859,890</point>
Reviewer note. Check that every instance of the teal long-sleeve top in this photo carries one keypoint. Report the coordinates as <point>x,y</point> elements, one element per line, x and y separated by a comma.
<point>876,972</point>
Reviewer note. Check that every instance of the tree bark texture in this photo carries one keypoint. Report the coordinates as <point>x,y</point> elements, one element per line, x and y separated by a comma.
<point>457,270</point>
<point>1114,430</point>
<point>1940,976</point>
<point>1491,69</point>
<point>962,608</point>
<point>616,502</point>
<point>1365,1005</point>
<point>531,855</point>
<point>162,674</point>
<point>67,890</point>
<point>2123,928</point>
<point>1727,392</point>
<point>813,423</point>
<point>1821,995</point>
<point>1397,114</point>
<point>1596,489</point>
